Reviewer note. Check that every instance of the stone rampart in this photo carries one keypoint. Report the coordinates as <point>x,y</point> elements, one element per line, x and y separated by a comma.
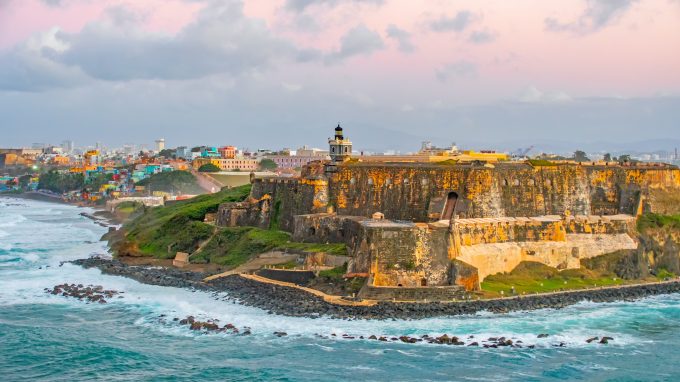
<point>326,228</point>
<point>442,293</point>
<point>593,224</point>
<point>274,202</point>
<point>416,192</point>
<point>421,192</point>
<point>494,258</point>
<point>500,230</point>
<point>402,253</point>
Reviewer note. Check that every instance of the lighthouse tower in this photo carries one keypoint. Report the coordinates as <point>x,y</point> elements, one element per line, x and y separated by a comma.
<point>340,148</point>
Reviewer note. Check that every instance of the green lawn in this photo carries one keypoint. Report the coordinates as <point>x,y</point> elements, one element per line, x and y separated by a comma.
<point>532,277</point>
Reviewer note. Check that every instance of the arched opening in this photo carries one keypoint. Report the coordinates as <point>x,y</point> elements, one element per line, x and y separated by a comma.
<point>312,231</point>
<point>450,206</point>
<point>423,282</point>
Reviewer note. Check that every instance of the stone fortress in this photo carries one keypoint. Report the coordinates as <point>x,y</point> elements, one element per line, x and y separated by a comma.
<point>441,223</point>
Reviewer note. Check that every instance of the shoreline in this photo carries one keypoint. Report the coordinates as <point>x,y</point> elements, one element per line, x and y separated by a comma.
<point>292,301</point>
<point>288,301</point>
<point>100,217</point>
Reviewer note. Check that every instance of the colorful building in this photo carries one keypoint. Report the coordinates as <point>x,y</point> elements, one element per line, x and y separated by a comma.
<point>227,152</point>
<point>238,164</point>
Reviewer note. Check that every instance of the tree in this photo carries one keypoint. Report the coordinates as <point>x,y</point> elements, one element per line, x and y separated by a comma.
<point>607,157</point>
<point>167,153</point>
<point>624,158</point>
<point>61,182</point>
<point>24,181</point>
<point>268,165</point>
<point>209,167</point>
<point>580,156</point>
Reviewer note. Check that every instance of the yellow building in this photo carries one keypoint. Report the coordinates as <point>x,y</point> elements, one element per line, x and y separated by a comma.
<point>240,164</point>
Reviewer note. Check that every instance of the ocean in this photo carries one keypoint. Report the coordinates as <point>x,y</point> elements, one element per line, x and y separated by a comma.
<point>44,337</point>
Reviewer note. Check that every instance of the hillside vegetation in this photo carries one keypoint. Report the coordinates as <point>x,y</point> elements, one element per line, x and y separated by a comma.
<point>161,232</point>
<point>234,246</point>
<point>532,277</point>
<point>182,182</point>
<point>651,221</point>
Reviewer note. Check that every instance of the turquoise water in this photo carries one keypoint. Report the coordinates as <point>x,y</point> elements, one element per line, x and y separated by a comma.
<point>52,338</point>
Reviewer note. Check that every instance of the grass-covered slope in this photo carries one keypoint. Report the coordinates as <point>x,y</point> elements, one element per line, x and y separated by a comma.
<point>234,246</point>
<point>163,231</point>
<point>174,182</point>
<point>652,221</point>
<point>533,277</point>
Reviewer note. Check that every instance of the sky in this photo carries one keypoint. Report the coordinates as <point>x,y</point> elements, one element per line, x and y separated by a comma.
<point>558,75</point>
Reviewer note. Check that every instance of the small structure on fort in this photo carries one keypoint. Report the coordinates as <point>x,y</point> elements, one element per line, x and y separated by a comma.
<point>340,148</point>
<point>446,222</point>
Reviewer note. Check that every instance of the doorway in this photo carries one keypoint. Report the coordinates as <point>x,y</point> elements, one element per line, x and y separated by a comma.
<point>450,206</point>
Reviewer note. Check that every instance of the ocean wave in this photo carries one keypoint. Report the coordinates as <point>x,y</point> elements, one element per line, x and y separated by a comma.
<point>11,220</point>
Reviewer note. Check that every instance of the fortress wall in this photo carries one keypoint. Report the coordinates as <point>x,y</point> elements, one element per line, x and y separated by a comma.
<point>495,258</point>
<point>274,202</point>
<point>402,254</point>
<point>411,191</point>
<point>484,231</point>
<point>326,228</point>
<point>417,192</point>
<point>611,225</point>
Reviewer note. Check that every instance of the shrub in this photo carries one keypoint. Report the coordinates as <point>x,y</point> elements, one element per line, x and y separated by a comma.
<point>209,167</point>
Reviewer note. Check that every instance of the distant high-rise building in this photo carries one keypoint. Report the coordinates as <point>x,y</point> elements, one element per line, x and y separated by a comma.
<point>67,147</point>
<point>160,145</point>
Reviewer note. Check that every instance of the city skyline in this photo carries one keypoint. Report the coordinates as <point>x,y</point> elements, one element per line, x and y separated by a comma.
<point>281,73</point>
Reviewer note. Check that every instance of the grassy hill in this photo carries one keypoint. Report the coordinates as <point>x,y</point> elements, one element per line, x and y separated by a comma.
<point>182,182</point>
<point>161,232</point>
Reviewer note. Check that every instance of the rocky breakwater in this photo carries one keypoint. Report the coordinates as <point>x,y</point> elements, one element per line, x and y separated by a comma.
<point>283,300</point>
<point>211,326</point>
<point>151,275</point>
<point>89,293</point>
